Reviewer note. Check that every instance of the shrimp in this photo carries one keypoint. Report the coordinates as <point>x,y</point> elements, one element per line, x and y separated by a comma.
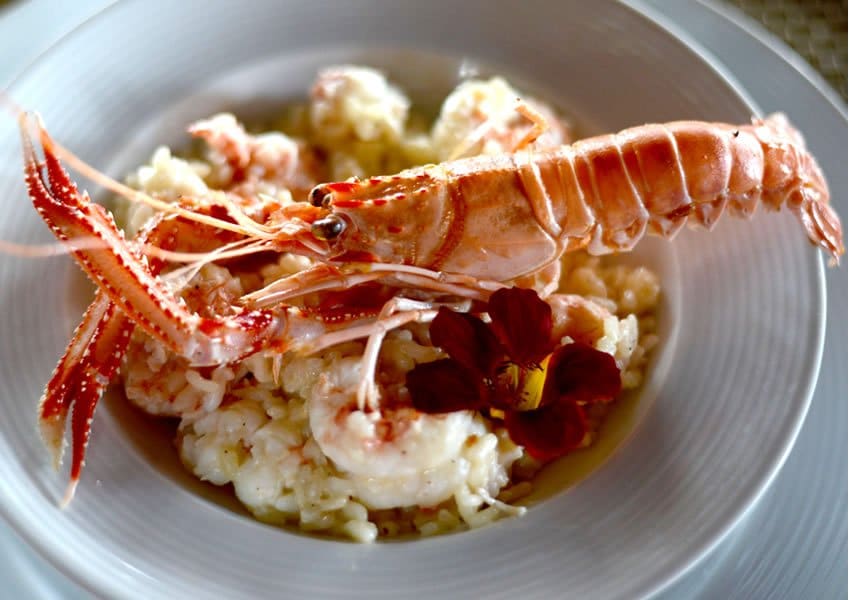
<point>397,456</point>
<point>488,117</point>
<point>256,162</point>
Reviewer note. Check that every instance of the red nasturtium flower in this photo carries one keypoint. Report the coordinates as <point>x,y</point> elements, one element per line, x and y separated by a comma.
<point>512,368</point>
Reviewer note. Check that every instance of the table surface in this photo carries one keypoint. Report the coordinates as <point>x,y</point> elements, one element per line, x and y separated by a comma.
<point>816,29</point>
<point>793,543</point>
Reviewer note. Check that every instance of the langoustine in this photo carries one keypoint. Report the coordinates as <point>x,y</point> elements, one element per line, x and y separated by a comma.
<point>602,194</point>
<point>435,232</point>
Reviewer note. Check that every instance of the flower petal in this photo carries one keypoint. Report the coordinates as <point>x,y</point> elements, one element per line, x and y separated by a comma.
<point>523,323</point>
<point>583,374</point>
<point>466,339</point>
<point>445,386</point>
<point>548,432</point>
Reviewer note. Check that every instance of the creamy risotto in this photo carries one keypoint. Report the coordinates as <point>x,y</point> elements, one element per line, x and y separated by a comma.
<point>284,430</point>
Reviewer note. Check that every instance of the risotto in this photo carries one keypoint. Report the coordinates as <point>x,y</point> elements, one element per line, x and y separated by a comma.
<point>282,429</point>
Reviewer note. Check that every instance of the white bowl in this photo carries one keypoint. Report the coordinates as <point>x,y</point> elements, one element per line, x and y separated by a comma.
<point>742,331</point>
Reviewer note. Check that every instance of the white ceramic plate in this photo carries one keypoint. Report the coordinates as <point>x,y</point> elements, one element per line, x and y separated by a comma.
<point>727,396</point>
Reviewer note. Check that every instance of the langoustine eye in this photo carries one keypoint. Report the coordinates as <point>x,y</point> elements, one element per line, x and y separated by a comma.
<point>329,227</point>
<point>319,196</point>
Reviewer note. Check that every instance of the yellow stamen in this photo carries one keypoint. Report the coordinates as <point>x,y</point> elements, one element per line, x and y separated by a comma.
<point>524,384</point>
<point>510,376</point>
<point>530,385</point>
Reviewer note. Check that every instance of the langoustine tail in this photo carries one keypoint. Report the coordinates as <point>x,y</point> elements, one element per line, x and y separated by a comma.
<point>823,227</point>
<point>787,158</point>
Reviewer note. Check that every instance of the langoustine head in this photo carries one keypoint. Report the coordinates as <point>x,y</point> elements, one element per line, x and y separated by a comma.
<point>400,218</point>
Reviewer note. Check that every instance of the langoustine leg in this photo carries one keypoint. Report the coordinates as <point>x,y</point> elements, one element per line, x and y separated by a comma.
<point>90,362</point>
<point>83,372</point>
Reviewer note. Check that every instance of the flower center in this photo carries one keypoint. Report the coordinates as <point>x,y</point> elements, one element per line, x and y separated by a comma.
<point>524,383</point>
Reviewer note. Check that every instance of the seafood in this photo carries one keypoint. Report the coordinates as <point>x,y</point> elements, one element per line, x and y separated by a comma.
<point>271,158</point>
<point>484,117</point>
<point>397,456</point>
<point>396,447</point>
<point>129,292</point>
<point>507,216</point>
<point>459,229</point>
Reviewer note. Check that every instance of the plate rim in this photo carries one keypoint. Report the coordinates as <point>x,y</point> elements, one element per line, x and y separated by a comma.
<point>659,19</point>
<point>655,18</point>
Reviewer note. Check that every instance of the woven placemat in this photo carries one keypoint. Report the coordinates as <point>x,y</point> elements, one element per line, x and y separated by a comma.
<point>816,29</point>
